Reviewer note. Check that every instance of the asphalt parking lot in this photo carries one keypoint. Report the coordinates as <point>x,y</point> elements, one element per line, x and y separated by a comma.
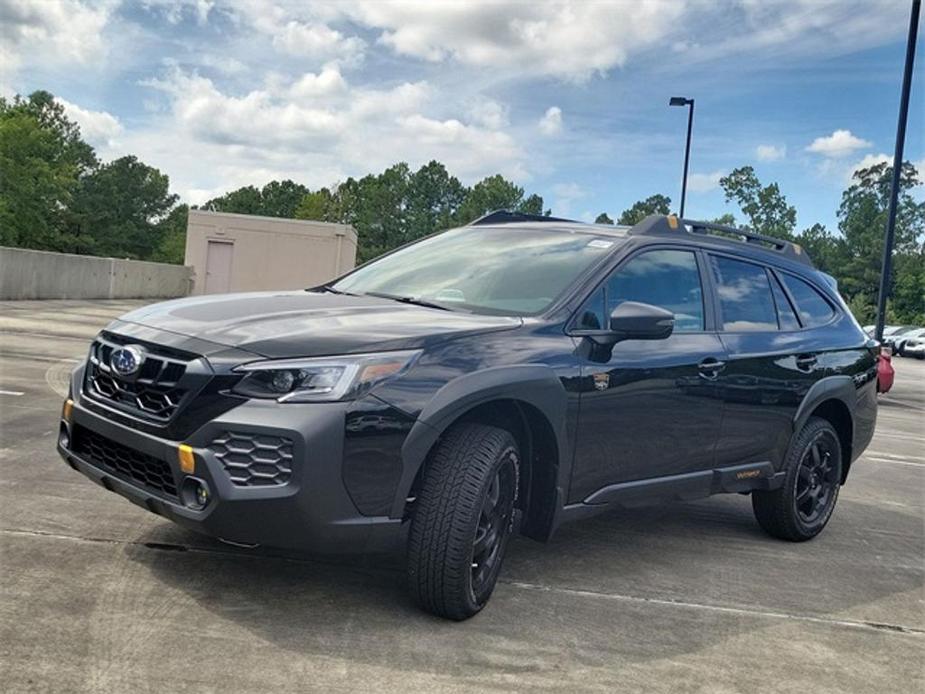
<point>96,595</point>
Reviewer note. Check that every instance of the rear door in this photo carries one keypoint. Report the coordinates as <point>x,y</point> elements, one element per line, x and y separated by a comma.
<point>771,361</point>
<point>651,409</point>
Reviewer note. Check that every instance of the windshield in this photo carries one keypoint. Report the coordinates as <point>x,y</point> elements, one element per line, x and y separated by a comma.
<point>508,271</point>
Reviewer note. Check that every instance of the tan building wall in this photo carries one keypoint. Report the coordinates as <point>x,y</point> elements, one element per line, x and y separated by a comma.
<point>241,252</point>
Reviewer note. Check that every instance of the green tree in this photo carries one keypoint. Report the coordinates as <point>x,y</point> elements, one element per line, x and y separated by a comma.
<point>275,199</point>
<point>245,200</point>
<point>726,220</point>
<point>603,218</point>
<point>281,198</point>
<point>654,204</point>
<point>862,219</point>
<point>172,231</point>
<point>496,193</point>
<point>765,206</point>
<point>434,199</point>
<point>319,206</point>
<point>116,210</point>
<point>41,159</point>
<point>823,247</point>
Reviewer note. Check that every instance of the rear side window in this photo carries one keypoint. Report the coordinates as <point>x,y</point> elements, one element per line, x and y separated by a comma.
<point>785,314</point>
<point>813,307</point>
<point>745,298</point>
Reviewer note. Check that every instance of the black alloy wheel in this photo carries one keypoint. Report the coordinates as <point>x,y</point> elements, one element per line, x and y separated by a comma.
<point>495,522</point>
<point>817,479</point>
<point>802,506</point>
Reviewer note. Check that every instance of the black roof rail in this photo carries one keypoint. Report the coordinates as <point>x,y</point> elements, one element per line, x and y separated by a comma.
<point>669,224</point>
<point>508,217</point>
<point>787,248</point>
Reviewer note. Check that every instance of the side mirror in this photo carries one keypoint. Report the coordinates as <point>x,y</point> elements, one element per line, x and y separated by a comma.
<point>633,320</point>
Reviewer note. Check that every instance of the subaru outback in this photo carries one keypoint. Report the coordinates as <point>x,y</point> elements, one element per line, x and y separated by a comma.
<point>509,375</point>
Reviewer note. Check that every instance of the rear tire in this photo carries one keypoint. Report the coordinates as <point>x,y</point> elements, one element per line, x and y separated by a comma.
<point>462,520</point>
<point>803,505</point>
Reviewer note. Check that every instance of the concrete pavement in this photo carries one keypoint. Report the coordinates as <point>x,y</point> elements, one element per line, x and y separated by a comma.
<point>96,595</point>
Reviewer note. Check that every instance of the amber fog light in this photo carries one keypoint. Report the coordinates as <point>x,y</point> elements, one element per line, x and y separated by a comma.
<point>195,493</point>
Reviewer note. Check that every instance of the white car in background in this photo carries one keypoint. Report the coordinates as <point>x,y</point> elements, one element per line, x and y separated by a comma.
<point>914,347</point>
<point>898,341</point>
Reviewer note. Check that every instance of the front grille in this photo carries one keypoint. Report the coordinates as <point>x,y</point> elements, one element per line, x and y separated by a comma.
<point>254,460</point>
<point>155,392</point>
<point>102,452</point>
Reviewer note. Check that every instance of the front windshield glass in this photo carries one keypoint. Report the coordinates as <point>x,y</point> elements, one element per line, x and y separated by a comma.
<point>509,271</point>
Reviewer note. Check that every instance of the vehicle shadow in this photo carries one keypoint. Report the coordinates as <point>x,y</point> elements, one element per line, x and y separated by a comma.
<point>630,586</point>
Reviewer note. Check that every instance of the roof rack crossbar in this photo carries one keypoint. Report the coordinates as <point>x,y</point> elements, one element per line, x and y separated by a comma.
<point>783,246</point>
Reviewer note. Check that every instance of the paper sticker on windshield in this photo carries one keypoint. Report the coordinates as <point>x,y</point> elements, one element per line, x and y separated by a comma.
<point>600,243</point>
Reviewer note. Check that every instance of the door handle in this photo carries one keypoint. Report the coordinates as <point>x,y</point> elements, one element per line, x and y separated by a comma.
<point>806,361</point>
<point>710,368</point>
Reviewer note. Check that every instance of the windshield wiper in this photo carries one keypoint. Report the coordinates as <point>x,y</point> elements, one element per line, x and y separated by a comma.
<point>328,288</point>
<point>417,301</point>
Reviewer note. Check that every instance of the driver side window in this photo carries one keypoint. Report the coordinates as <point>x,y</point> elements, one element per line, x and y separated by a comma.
<point>669,279</point>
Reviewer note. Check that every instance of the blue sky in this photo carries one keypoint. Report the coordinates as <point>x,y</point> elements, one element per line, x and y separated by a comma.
<point>569,99</point>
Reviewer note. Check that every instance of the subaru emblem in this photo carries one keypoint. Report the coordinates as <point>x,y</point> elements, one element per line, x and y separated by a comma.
<point>126,360</point>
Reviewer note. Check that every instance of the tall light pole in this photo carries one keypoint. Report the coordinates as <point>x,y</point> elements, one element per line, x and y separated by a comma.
<point>897,170</point>
<point>683,101</point>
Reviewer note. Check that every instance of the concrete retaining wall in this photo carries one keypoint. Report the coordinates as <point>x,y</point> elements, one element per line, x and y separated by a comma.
<point>26,274</point>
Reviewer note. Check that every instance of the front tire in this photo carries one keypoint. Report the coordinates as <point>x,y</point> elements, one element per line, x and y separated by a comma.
<point>462,520</point>
<point>802,506</point>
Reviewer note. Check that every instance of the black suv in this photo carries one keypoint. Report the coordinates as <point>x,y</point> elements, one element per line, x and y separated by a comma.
<point>517,372</point>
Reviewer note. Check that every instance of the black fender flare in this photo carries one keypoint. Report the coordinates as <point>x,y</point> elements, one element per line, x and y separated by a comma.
<point>535,384</point>
<point>829,388</point>
<point>841,388</point>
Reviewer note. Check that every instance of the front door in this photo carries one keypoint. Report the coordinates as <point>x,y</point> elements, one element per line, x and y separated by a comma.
<point>652,409</point>
<point>218,267</point>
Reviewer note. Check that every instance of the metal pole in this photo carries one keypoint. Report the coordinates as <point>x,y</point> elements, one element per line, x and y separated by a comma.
<point>897,171</point>
<point>687,155</point>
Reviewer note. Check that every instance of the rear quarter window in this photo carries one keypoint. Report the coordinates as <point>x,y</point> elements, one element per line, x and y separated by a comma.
<point>814,309</point>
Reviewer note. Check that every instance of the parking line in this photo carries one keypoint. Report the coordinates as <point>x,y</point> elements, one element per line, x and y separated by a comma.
<point>11,392</point>
<point>894,462</point>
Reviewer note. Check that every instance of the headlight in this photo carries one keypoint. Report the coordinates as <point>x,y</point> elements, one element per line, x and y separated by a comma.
<point>320,379</point>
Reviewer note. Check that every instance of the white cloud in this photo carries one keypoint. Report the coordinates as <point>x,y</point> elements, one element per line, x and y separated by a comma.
<point>704,182</point>
<point>99,128</point>
<point>570,39</point>
<point>317,129</point>
<point>551,122</point>
<point>60,32</point>
<point>489,113</point>
<point>770,152</point>
<point>317,40</point>
<point>840,143</point>
<point>328,81</point>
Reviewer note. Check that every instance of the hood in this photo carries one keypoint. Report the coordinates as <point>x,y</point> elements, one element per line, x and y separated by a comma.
<point>306,324</point>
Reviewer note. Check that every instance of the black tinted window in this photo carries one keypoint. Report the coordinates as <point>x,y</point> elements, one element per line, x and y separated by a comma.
<point>785,314</point>
<point>591,315</point>
<point>744,295</point>
<point>814,309</point>
<point>668,279</point>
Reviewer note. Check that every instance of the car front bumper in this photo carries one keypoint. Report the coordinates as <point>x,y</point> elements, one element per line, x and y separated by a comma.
<point>311,512</point>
